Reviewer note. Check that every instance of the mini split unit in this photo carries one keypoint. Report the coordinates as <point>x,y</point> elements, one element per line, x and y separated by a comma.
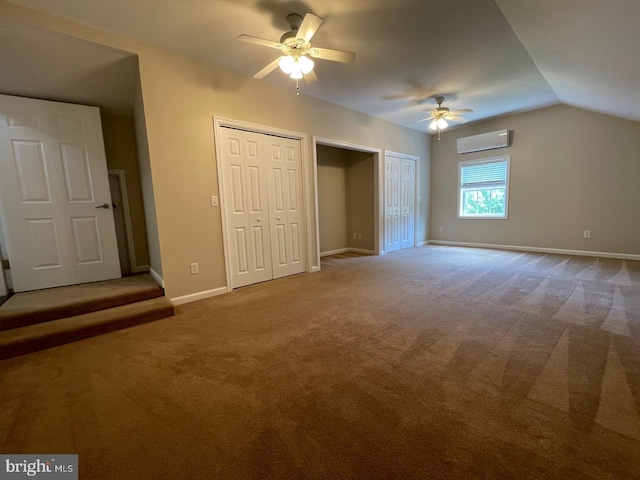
<point>485,141</point>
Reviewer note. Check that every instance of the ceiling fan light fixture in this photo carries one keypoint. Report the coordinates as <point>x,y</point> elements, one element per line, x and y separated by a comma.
<point>433,125</point>
<point>296,67</point>
<point>296,74</point>
<point>286,64</point>
<point>306,64</point>
<point>442,124</point>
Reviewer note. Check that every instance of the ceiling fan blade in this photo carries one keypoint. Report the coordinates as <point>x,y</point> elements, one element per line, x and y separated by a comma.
<point>464,110</point>
<point>311,77</point>
<point>259,41</point>
<point>308,27</point>
<point>268,69</point>
<point>333,55</point>
<point>424,120</point>
<point>456,118</point>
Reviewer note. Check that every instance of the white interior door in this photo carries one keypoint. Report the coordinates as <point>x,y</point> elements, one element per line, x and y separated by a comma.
<point>407,202</point>
<point>54,183</point>
<point>285,199</point>
<point>262,177</point>
<point>247,207</point>
<point>392,182</point>
<point>400,202</point>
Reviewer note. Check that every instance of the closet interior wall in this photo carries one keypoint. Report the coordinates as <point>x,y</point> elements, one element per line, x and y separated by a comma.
<point>346,200</point>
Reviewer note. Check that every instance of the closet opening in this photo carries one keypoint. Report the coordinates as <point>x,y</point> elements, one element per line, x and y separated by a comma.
<point>348,198</point>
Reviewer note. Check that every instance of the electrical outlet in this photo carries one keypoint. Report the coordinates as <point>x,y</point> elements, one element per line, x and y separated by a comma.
<point>194,268</point>
<point>359,236</point>
<point>355,235</point>
<point>586,234</point>
<point>441,229</point>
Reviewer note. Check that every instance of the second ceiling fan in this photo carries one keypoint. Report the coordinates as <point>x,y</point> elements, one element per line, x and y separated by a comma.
<point>296,49</point>
<point>440,115</point>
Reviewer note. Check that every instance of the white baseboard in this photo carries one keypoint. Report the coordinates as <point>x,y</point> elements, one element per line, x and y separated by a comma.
<point>315,269</point>
<point>347,250</point>
<point>334,252</point>
<point>194,297</point>
<point>140,269</point>
<point>156,277</point>
<point>361,250</point>
<point>560,251</point>
<point>422,244</point>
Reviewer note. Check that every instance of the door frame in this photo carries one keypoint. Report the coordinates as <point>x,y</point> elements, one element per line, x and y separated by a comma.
<point>378,186</point>
<point>221,122</point>
<point>416,191</point>
<point>126,212</point>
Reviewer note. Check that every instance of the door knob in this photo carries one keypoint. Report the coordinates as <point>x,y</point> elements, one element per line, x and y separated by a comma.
<point>115,204</point>
<point>105,205</point>
<point>278,218</point>
<point>258,220</point>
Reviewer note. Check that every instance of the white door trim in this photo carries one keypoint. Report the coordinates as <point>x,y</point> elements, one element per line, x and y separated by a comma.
<point>378,210</point>
<point>220,122</point>
<point>415,158</point>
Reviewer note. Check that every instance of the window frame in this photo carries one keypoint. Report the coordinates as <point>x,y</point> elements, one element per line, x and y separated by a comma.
<point>479,161</point>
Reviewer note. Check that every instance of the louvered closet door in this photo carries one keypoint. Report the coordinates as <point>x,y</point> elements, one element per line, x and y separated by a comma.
<point>246,206</point>
<point>285,201</point>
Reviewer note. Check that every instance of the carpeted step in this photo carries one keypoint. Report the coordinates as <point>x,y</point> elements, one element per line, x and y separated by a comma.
<point>29,308</point>
<point>19,341</point>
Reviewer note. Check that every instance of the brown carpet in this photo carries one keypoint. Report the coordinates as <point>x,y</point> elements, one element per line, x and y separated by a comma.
<point>428,363</point>
<point>38,306</point>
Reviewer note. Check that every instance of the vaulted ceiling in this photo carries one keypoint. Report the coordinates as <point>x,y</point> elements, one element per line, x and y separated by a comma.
<point>494,57</point>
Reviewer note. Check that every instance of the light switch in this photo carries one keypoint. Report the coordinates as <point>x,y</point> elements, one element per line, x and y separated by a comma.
<point>214,201</point>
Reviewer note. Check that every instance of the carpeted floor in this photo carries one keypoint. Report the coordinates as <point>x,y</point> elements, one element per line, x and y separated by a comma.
<point>429,363</point>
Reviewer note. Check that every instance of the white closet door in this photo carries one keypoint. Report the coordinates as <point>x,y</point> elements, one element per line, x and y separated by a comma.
<point>407,203</point>
<point>392,204</point>
<point>285,199</point>
<point>246,203</point>
<point>53,185</point>
<point>400,202</point>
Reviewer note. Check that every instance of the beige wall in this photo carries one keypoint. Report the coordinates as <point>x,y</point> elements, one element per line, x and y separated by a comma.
<point>332,198</point>
<point>571,170</point>
<point>121,150</point>
<point>177,99</point>
<point>180,97</point>
<point>360,181</point>
<point>146,182</point>
<point>346,200</point>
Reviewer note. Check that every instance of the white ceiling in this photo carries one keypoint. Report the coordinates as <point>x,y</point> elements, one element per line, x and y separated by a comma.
<point>494,57</point>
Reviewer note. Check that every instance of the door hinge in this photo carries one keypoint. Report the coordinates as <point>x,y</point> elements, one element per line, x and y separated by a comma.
<point>5,265</point>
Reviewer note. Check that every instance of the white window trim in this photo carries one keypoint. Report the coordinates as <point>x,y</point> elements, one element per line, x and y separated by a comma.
<point>501,158</point>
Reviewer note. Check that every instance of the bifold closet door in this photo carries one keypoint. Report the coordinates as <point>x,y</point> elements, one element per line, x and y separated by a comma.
<point>246,202</point>
<point>407,202</point>
<point>392,182</point>
<point>285,204</point>
<point>262,177</point>
<point>399,200</point>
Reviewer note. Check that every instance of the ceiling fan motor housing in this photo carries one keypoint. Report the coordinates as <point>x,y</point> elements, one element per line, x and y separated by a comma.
<point>295,21</point>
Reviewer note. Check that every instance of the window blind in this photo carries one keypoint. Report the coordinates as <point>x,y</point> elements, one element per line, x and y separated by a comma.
<point>490,174</point>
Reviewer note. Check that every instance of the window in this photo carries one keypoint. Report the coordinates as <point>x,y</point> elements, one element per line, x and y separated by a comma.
<point>484,188</point>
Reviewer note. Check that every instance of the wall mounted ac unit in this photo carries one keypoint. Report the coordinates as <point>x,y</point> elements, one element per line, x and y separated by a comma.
<point>484,141</point>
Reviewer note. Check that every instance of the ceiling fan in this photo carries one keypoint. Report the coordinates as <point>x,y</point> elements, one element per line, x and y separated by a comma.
<point>296,49</point>
<point>440,115</point>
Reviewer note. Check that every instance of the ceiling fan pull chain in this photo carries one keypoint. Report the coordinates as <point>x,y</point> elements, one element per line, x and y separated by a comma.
<point>297,88</point>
